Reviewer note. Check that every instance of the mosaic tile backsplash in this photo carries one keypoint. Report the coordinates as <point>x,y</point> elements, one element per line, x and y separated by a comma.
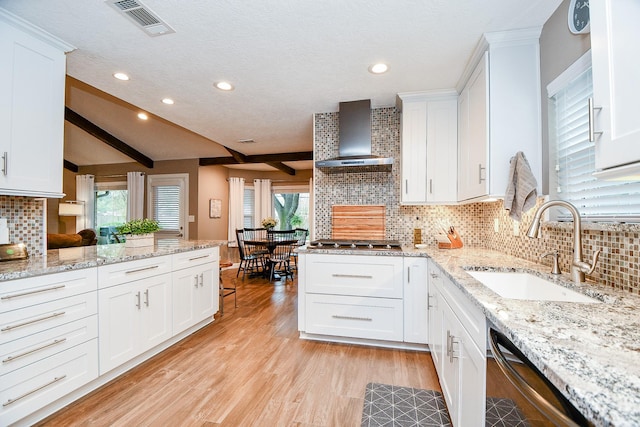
<point>25,221</point>
<point>619,264</point>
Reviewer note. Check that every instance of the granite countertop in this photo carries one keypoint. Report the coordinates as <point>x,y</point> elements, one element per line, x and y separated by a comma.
<point>590,352</point>
<point>59,260</point>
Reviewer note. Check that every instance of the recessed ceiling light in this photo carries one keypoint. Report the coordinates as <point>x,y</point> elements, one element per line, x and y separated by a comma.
<point>247,141</point>
<point>121,76</point>
<point>167,101</point>
<point>224,86</point>
<point>143,116</point>
<point>378,68</point>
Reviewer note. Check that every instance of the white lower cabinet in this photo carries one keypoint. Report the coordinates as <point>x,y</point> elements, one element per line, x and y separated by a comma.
<point>195,283</point>
<point>134,317</point>
<point>377,298</point>
<point>459,354</point>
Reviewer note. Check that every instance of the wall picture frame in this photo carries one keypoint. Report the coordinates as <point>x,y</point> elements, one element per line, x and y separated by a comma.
<point>215,208</point>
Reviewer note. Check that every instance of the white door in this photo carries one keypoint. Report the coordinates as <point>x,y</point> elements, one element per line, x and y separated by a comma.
<point>168,203</point>
<point>184,290</point>
<point>415,300</point>
<point>118,323</point>
<point>155,295</point>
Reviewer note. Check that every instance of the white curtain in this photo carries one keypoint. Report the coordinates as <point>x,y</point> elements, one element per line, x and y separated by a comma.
<point>236,208</point>
<point>312,227</point>
<point>85,192</point>
<point>264,200</point>
<point>135,195</point>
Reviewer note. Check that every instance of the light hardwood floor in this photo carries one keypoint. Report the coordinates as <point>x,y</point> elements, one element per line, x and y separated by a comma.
<point>249,368</point>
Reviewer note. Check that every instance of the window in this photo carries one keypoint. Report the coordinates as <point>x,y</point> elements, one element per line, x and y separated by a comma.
<point>291,207</point>
<point>248,207</point>
<point>111,209</point>
<point>574,155</point>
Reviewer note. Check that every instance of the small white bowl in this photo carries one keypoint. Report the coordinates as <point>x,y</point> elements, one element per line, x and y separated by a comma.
<point>422,245</point>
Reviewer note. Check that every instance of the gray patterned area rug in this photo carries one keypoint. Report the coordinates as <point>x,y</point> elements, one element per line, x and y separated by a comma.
<point>393,406</point>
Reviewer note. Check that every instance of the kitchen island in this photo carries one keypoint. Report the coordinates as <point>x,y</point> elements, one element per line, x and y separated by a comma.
<point>77,318</point>
<point>590,352</point>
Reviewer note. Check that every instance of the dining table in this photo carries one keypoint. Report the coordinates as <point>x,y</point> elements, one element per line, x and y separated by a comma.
<point>270,245</point>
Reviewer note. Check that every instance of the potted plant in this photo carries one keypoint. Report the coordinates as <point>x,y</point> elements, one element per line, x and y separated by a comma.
<point>139,232</point>
<point>269,223</point>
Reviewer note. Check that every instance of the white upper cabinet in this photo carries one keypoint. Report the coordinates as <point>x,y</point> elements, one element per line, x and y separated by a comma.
<point>429,147</point>
<point>32,80</point>
<point>616,67</point>
<point>499,113</point>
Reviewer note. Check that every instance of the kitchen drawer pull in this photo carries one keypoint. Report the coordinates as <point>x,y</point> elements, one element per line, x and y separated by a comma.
<point>592,133</point>
<point>452,355</point>
<point>142,269</point>
<point>434,276</point>
<point>448,343</point>
<point>55,380</point>
<point>138,300</point>
<point>408,274</point>
<point>429,296</point>
<point>5,161</point>
<point>40,319</point>
<point>353,276</point>
<point>480,169</point>
<point>28,352</point>
<point>201,279</point>
<point>195,281</point>
<point>199,257</point>
<point>430,186</point>
<point>146,297</point>
<point>22,294</point>
<point>366,319</point>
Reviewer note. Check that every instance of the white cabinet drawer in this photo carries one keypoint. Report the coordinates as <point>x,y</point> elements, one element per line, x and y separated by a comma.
<point>357,317</point>
<point>30,320</point>
<point>32,348</point>
<point>192,258</point>
<point>16,294</point>
<point>123,272</point>
<point>375,276</point>
<point>26,390</point>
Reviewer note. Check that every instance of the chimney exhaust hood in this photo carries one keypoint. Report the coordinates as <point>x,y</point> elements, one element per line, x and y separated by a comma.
<point>354,147</point>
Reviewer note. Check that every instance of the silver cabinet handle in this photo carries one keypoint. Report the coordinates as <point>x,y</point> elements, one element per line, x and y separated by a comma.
<point>142,269</point>
<point>22,294</point>
<point>199,257</point>
<point>452,355</point>
<point>28,352</point>
<point>40,319</point>
<point>408,274</point>
<point>5,161</point>
<point>202,279</point>
<point>448,343</point>
<point>429,296</point>
<point>430,186</point>
<point>434,275</point>
<point>138,300</point>
<point>353,276</point>
<point>480,169</point>
<point>146,297</point>
<point>592,133</point>
<point>366,319</point>
<point>406,186</point>
<point>55,380</point>
<point>195,281</point>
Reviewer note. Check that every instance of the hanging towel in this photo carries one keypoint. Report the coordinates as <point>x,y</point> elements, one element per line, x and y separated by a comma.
<point>521,192</point>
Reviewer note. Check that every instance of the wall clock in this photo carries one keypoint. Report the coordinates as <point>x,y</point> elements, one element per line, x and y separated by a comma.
<point>578,16</point>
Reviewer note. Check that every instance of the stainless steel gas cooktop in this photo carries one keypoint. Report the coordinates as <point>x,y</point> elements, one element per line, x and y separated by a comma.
<point>387,245</point>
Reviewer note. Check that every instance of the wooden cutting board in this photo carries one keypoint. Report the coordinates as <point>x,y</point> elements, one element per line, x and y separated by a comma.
<point>362,222</point>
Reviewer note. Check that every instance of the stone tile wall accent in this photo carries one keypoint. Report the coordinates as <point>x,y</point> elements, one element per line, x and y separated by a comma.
<point>619,264</point>
<point>25,221</point>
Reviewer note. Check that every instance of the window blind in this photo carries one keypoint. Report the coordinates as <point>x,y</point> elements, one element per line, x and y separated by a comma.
<point>166,207</point>
<point>248,207</point>
<point>595,199</point>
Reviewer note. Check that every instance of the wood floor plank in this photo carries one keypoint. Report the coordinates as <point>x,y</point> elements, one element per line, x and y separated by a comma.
<point>249,368</point>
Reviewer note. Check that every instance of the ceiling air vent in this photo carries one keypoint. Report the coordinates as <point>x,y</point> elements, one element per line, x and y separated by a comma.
<point>142,16</point>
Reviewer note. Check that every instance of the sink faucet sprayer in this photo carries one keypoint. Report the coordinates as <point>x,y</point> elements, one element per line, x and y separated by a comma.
<point>578,267</point>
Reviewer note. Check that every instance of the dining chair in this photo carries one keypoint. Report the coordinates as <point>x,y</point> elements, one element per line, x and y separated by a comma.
<point>280,258</point>
<point>227,290</point>
<point>251,258</point>
<point>255,233</point>
<point>301,240</point>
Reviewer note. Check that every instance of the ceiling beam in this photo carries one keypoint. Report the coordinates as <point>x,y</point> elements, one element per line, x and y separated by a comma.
<point>284,168</point>
<point>258,158</point>
<point>104,136</point>
<point>240,158</point>
<point>71,166</point>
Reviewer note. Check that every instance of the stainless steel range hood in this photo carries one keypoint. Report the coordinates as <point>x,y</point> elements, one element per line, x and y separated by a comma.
<point>354,147</point>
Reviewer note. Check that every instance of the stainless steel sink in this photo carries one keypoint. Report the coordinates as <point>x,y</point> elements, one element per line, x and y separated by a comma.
<point>526,286</point>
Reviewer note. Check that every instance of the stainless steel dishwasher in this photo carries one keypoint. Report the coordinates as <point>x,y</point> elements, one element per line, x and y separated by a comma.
<point>510,375</point>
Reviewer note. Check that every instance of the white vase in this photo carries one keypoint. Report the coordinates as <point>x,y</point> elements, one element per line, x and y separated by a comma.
<point>139,240</point>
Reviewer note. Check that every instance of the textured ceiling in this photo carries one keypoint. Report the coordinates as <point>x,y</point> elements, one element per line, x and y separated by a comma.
<point>287,59</point>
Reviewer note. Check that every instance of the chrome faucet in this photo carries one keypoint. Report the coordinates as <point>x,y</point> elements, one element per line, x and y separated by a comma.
<point>578,266</point>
